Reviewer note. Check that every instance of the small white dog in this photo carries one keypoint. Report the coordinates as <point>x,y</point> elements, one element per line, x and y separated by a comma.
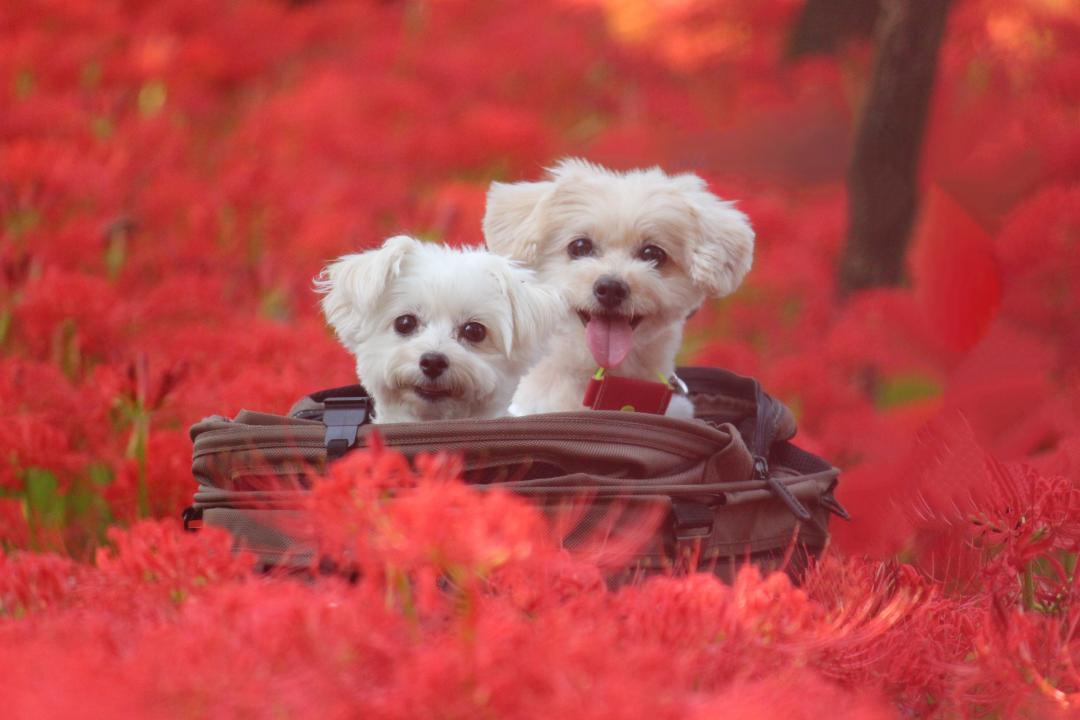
<point>634,254</point>
<point>438,333</point>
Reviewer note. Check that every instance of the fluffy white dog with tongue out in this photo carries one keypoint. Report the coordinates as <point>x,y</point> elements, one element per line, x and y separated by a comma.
<point>634,254</point>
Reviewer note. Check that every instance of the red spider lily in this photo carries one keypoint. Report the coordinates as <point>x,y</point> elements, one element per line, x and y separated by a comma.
<point>32,582</point>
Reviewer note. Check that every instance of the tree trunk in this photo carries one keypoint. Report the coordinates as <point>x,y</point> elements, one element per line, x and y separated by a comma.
<point>883,173</point>
<point>823,26</point>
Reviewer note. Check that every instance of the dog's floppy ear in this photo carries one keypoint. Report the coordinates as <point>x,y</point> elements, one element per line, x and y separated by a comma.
<point>353,284</point>
<point>535,309</point>
<point>512,218</point>
<point>720,248</point>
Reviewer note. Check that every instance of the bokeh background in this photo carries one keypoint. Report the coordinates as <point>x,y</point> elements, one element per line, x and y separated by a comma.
<point>173,173</point>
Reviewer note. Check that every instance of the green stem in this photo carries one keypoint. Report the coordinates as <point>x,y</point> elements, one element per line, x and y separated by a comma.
<point>137,445</point>
<point>1029,587</point>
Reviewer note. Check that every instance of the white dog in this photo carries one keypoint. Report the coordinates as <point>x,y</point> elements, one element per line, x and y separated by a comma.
<point>438,333</point>
<point>634,254</point>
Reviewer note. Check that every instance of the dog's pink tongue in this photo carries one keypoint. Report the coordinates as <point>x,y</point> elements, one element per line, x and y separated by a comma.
<point>609,339</point>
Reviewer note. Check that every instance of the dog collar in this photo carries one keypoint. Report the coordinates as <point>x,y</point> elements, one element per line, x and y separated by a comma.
<point>608,392</point>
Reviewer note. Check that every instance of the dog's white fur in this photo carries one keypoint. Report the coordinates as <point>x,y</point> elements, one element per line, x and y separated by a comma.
<point>444,289</point>
<point>709,246</point>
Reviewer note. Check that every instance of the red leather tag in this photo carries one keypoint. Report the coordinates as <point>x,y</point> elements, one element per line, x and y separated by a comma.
<point>619,393</point>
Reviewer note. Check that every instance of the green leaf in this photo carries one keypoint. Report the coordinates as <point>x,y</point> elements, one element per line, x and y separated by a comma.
<point>68,350</point>
<point>903,389</point>
<point>115,252</point>
<point>275,304</point>
<point>20,221</point>
<point>102,127</point>
<point>5,324</point>
<point>43,499</point>
<point>90,75</point>
<point>152,96</point>
<point>24,84</point>
<point>100,474</point>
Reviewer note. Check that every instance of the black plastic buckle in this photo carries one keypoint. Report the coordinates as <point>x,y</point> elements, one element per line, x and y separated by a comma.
<point>343,417</point>
<point>690,520</point>
<point>777,488</point>
<point>190,516</point>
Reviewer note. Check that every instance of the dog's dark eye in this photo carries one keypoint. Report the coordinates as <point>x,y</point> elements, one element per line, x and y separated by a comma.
<point>580,247</point>
<point>474,332</point>
<point>653,254</point>
<point>405,324</point>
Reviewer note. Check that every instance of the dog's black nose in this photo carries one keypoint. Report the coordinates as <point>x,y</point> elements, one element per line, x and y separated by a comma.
<point>610,291</point>
<point>433,364</point>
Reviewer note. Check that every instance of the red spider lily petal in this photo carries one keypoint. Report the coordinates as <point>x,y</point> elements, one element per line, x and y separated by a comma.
<point>955,271</point>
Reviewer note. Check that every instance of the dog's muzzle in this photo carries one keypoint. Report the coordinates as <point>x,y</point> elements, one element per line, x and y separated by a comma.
<point>433,364</point>
<point>610,291</point>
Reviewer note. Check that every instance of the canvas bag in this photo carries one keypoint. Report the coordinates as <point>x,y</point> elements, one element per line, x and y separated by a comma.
<point>730,485</point>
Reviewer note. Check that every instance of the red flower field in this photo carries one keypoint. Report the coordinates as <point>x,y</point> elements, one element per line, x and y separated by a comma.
<point>174,173</point>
